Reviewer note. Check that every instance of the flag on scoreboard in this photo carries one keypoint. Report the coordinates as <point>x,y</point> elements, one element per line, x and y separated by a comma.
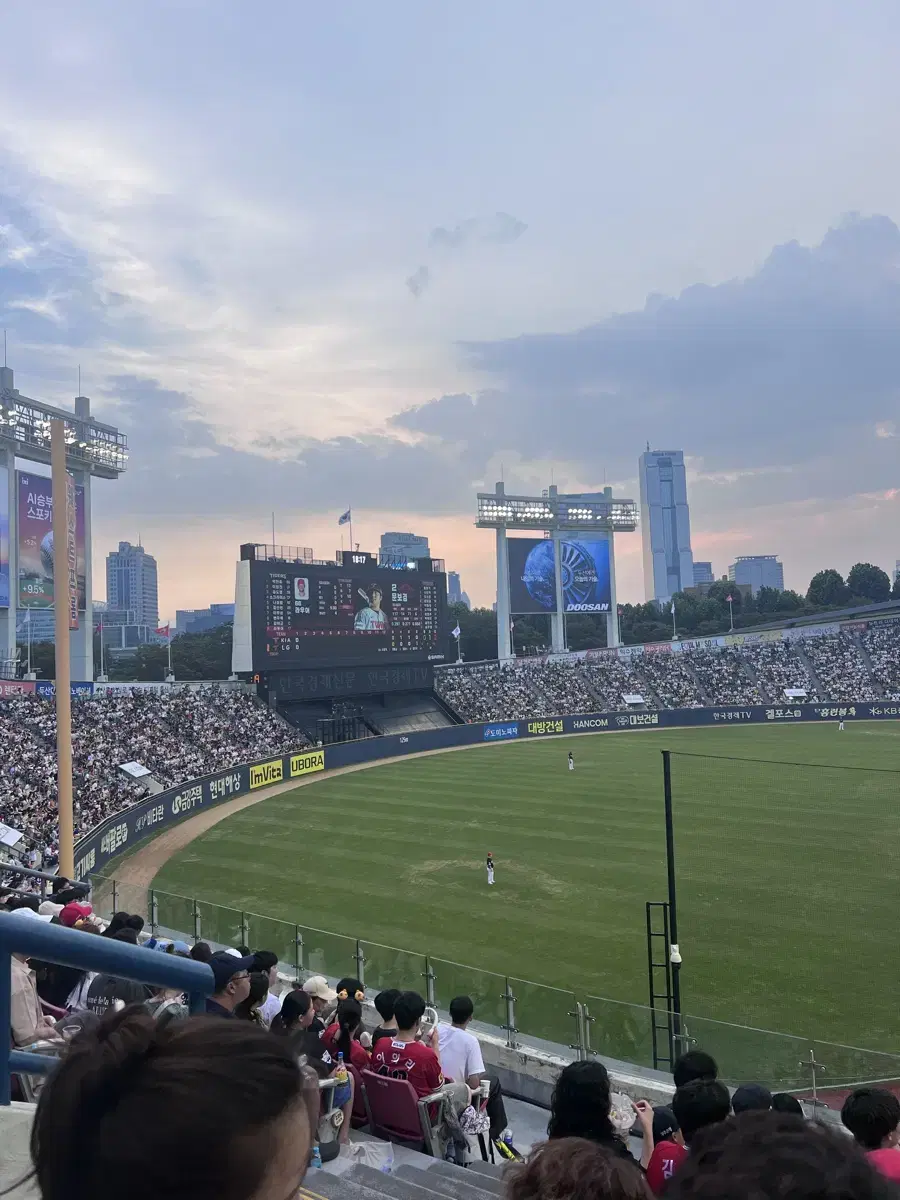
<point>344,518</point>
<point>456,632</point>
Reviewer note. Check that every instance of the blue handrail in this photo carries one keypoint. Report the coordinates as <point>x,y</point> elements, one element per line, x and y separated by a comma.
<point>88,952</point>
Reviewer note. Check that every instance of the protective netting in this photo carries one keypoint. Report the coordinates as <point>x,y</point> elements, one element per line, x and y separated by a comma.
<point>788,906</point>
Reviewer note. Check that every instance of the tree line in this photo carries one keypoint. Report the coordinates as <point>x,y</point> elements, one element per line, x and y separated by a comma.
<point>695,615</point>
<point>207,655</point>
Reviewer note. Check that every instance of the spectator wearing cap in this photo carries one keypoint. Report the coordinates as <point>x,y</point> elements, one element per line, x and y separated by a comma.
<point>232,983</point>
<point>751,1097</point>
<point>323,997</point>
<point>669,1151</point>
<point>113,991</point>
<point>873,1117</point>
<point>72,914</point>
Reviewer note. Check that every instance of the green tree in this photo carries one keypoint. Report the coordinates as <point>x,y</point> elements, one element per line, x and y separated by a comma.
<point>869,582</point>
<point>789,601</point>
<point>478,631</point>
<point>895,590</point>
<point>826,589</point>
<point>43,659</point>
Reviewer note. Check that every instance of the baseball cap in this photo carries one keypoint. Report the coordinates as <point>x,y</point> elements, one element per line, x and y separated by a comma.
<point>751,1097</point>
<point>665,1123</point>
<point>48,908</point>
<point>74,912</point>
<point>317,985</point>
<point>225,966</point>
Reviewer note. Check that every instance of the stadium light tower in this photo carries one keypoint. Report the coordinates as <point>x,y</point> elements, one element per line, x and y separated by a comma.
<point>92,449</point>
<point>570,570</point>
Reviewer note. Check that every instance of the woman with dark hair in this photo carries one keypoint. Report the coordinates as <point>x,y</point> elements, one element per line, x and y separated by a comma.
<point>580,1108</point>
<point>295,1015</point>
<point>576,1169</point>
<point>230,1110</point>
<point>118,921</point>
<point>248,1010</point>
<point>201,952</point>
<point>342,1037</point>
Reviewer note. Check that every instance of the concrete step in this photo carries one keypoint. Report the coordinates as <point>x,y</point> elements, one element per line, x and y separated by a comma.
<point>322,1185</point>
<point>491,1173</point>
<point>459,1186</point>
<point>487,1181</point>
<point>395,1186</point>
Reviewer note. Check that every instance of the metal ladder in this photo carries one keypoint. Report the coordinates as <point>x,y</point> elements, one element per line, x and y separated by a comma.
<point>659,970</point>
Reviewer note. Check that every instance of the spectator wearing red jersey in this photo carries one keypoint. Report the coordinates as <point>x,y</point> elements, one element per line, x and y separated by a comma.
<point>342,1037</point>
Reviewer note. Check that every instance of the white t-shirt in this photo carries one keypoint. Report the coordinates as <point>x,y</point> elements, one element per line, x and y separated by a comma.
<point>270,1007</point>
<point>460,1053</point>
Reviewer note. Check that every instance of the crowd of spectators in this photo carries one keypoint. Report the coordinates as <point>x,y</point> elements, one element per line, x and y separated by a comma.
<point>828,668</point>
<point>262,1079</point>
<point>178,734</point>
<point>882,645</point>
<point>840,668</point>
<point>778,667</point>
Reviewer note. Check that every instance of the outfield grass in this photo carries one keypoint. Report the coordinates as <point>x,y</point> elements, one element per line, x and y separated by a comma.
<point>787,875</point>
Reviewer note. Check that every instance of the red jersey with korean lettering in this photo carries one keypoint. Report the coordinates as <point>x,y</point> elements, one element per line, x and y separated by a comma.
<point>408,1060</point>
<point>665,1160</point>
<point>359,1055</point>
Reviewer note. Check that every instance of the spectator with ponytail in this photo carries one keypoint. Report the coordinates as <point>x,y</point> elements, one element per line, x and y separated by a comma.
<point>199,1110</point>
<point>343,1036</point>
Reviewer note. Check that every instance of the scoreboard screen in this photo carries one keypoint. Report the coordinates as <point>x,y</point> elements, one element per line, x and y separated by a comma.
<point>310,615</point>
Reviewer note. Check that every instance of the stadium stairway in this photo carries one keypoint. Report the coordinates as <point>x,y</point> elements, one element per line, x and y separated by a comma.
<point>870,666</point>
<point>429,1181</point>
<point>810,669</point>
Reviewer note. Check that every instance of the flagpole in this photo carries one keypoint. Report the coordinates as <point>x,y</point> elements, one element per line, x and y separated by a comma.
<point>169,635</point>
<point>102,672</point>
<point>350,511</point>
<point>28,623</point>
<point>674,630</point>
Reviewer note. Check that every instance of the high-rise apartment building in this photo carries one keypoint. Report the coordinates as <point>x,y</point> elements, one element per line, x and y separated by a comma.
<point>703,573</point>
<point>757,571</point>
<point>665,524</point>
<point>131,583</point>
<point>201,620</point>
<point>397,546</point>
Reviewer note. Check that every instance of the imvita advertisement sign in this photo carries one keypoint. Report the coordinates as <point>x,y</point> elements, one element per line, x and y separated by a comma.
<point>266,773</point>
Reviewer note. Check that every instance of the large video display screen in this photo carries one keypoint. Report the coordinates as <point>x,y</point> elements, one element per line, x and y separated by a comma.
<point>35,514</point>
<point>313,615</point>
<point>532,580</point>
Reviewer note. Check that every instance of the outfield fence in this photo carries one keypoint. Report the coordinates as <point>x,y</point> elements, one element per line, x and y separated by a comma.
<point>569,1023</point>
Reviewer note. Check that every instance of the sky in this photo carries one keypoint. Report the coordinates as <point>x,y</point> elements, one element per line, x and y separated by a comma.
<point>381,256</point>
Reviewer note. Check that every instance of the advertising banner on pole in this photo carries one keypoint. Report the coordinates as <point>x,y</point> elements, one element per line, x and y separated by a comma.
<point>34,495</point>
<point>4,538</point>
<point>584,569</point>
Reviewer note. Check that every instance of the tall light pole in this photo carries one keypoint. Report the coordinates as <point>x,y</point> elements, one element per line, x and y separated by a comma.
<point>63,578</point>
<point>730,598</point>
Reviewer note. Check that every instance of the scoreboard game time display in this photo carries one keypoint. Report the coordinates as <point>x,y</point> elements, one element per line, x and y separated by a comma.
<point>307,615</point>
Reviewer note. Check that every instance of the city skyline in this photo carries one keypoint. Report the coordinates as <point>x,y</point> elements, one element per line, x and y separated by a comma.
<point>297,290</point>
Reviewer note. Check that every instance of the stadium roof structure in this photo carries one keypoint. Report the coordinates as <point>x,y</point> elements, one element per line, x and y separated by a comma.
<point>554,510</point>
<point>91,445</point>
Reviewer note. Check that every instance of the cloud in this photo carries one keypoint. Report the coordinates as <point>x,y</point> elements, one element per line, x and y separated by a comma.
<point>495,230</point>
<point>772,369</point>
<point>418,281</point>
<point>886,429</point>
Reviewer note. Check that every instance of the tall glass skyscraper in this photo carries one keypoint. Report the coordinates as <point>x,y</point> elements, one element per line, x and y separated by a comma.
<point>665,524</point>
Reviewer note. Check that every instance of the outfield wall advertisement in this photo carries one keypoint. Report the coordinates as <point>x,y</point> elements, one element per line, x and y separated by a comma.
<point>151,816</point>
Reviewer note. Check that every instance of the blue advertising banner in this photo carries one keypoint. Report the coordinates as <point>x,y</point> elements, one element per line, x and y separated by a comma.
<point>498,731</point>
<point>47,687</point>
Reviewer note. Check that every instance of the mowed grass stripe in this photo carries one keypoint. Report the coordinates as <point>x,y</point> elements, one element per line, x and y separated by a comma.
<point>786,876</point>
